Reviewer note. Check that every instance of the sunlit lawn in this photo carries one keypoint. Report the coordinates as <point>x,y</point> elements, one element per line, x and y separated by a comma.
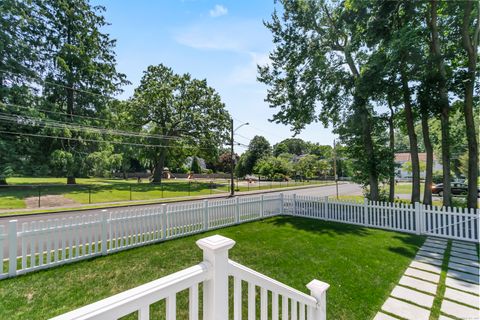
<point>361,265</point>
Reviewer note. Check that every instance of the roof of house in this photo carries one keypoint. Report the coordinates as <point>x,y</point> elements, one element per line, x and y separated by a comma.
<point>406,156</point>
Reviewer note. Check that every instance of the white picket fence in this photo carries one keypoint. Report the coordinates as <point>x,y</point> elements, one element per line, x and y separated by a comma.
<point>454,223</point>
<point>44,244</point>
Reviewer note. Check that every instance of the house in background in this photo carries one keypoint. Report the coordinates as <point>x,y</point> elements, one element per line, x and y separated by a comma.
<point>403,157</point>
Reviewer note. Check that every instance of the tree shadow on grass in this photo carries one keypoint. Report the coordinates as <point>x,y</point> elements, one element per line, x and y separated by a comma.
<point>410,242</point>
<point>321,226</point>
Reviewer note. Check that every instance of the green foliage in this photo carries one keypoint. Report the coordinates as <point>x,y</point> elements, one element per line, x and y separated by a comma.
<point>407,166</point>
<point>258,148</point>
<point>195,167</point>
<point>173,105</point>
<point>273,168</point>
<point>63,163</point>
<point>103,163</point>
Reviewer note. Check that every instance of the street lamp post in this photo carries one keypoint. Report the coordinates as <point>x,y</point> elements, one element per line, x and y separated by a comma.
<point>232,160</point>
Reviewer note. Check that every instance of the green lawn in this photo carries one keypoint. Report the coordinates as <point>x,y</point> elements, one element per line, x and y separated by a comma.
<point>361,265</point>
<point>97,190</point>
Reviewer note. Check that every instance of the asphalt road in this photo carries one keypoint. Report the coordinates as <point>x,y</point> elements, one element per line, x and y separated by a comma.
<point>343,189</point>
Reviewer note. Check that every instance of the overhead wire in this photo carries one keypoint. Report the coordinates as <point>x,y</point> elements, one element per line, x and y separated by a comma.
<point>95,140</point>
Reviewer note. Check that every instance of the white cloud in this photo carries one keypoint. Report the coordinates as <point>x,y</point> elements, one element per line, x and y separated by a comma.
<point>218,11</point>
<point>247,73</point>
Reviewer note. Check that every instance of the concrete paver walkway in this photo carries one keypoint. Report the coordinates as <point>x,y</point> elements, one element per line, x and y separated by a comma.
<point>414,296</point>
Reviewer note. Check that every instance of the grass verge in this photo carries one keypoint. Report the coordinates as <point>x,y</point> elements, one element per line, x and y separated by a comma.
<point>361,265</point>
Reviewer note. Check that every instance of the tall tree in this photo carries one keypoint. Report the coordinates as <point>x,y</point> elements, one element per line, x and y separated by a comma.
<point>82,66</point>
<point>444,103</point>
<point>317,60</point>
<point>183,112</point>
<point>470,32</point>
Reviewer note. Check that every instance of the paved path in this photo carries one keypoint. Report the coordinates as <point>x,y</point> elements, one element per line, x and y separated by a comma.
<point>422,283</point>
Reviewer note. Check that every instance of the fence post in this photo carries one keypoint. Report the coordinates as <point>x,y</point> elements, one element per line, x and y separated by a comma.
<point>215,290</point>
<point>205,215</point>
<point>104,233</point>
<point>237,210</point>
<point>261,206</point>
<point>164,221</point>
<point>12,248</point>
<point>418,219</point>
<point>282,210</point>
<point>365,211</point>
<point>39,195</point>
<point>318,290</point>
<point>325,203</point>
<point>294,204</point>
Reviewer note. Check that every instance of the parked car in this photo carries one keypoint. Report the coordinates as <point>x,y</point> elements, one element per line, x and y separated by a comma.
<point>458,189</point>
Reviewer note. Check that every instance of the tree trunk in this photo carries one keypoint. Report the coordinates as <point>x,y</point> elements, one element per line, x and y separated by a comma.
<point>158,169</point>
<point>427,193</point>
<point>471,51</point>
<point>444,104</point>
<point>71,180</point>
<point>412,137</point>
<point>370,152</point>
<point>3,181</point>
<point>391,130</point>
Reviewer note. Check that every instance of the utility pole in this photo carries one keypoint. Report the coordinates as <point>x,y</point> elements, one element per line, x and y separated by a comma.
<point>232,165</point>
<point>335,166</point>
<point>232,156</point>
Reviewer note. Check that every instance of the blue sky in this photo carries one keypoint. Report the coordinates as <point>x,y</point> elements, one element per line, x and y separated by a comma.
<point>218,41</point>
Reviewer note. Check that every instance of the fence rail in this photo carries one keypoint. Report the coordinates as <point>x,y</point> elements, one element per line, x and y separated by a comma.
<point>44,244</point>
<point>211,278</point>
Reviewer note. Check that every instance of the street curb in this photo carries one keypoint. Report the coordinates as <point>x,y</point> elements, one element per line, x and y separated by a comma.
<point>243,193</point>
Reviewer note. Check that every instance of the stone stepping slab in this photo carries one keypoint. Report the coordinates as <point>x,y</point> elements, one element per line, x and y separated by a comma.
<point>429,260</point>
<point>383,316</point>
<point>417,284</point>
<point>464,256</point>
<point>430,254</point>
<point>435,244</point>
<point>463,268</point>
<point>466,251</point>
<point>462,297</point>
<point>432,249</point>
<point>466,262</point>
<point>437,239</point>
<point>405,310</point>
<point>422,299</point>
<point>471,246</point>
<point>464,244</point>
<point>425,266</point>
<point>463,276</point>
<point>442,317</point>
<point>462,285</point>
<point>458,310</point>
<point>422,275</point>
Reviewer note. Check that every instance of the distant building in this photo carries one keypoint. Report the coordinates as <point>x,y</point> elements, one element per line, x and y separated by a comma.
<point>402,157</point>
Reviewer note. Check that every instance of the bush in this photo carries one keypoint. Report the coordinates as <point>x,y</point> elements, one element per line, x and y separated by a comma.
<point>437,177</point>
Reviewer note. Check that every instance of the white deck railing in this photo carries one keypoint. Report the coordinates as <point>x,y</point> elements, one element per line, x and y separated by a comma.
<point>213,273</point>
<point>44,244</point>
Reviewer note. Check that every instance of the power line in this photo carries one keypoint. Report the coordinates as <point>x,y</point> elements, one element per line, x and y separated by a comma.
<point>17,119</point>
<point>258,129</point>
<point>61,113</point>
<point>55,84</point>
<point>94,140</point>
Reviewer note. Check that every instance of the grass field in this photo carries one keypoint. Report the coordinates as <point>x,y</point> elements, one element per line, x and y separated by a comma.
<point>97,190</point>
<point>361,265</point>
